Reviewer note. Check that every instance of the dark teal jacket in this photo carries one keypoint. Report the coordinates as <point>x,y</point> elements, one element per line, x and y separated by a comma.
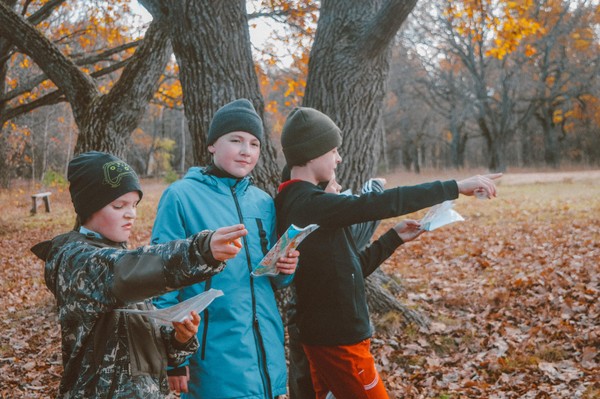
<point>241,334</point>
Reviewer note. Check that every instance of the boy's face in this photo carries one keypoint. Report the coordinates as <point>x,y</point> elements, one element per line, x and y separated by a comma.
<point>236,153</point>
<point>323,167</point>
<point>115,220</point>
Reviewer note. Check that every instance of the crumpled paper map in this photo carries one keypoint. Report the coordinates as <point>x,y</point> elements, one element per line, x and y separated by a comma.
<point>440,215</point>
<point>181,311</point>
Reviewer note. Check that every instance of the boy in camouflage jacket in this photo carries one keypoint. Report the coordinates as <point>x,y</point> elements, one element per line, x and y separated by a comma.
<point>106,353</point>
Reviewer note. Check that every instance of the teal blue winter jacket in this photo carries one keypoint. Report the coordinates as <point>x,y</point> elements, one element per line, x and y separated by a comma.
<point>241,351</point>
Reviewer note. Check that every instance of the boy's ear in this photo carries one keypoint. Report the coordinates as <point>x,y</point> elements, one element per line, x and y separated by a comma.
<point>211,149</point>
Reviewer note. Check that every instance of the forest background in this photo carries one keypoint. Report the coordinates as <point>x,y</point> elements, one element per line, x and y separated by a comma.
<point>504,307</point>
<point>469,84</point>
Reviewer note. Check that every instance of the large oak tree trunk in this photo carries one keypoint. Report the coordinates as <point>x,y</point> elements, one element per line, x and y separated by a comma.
<point>211,42</point>
<point>108,121</point>
<point>348,69</point>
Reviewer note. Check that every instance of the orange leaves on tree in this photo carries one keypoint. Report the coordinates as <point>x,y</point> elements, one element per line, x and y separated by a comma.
<point>498,28</point>
<point>170,93</point>
<point>78,29</point>
<point>16,139</point>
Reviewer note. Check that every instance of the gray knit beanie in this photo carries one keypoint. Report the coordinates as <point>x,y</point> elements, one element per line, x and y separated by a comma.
<point>307,134</point>
<point>97,179</point>
<point>238,115</point>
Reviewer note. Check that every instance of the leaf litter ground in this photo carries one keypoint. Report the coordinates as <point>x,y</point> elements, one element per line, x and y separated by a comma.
<point>512,293</point>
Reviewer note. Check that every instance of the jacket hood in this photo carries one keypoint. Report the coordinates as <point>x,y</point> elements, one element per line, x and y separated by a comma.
<point>43,249</point>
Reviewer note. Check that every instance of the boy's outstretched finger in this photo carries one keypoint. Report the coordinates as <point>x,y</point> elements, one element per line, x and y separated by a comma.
<point>493,176</point>
<point>225,242</point>
<point>231,234</point>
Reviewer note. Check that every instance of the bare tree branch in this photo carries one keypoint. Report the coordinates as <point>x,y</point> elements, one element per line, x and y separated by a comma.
<point>52,98</point>
<point>37,80</point>
<point>78,87</point>
<point>44,12</point>
<point>140,78</point>
<point>382,29</point>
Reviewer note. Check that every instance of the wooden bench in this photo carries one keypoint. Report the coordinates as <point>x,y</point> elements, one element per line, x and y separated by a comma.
<point>40,196</point>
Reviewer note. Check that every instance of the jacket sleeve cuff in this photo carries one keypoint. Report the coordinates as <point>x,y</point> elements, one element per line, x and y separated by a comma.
<point>177,372</point>
<point>203,245</point>
<point>450,188</point>
<point>391,239</point>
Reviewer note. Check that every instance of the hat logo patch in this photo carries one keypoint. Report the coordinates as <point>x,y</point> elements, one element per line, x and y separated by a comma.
<point>115,171</point>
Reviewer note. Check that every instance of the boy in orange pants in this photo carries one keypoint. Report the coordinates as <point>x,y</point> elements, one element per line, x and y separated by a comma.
<point>332,314</point>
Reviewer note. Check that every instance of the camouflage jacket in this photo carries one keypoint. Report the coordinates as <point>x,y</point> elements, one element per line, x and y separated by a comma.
<point>106,353</point>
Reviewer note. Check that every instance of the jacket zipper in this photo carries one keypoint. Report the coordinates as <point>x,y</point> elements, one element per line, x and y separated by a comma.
<point>154,329</point>
<point>205,329</point>
<point>256,326</point>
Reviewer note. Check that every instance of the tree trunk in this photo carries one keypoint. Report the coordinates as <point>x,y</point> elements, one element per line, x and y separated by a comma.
<point>551,132</point>
<point>4,168</point>
<point>5,47</point>
<point>211,42</point>
<point>348,69</point>
<point>109,120</point>
<point>381,289</point>
<point>495,146</point>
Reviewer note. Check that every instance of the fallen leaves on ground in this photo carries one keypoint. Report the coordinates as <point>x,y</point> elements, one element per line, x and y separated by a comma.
<point>513,294</point>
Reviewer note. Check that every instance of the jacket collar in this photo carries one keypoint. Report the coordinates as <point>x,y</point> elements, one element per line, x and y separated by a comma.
<point>219,184</point>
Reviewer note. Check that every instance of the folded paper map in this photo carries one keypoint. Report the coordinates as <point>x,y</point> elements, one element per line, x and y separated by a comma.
<point>181,311</point>
<point>289,241</point>
<point>440,215</point>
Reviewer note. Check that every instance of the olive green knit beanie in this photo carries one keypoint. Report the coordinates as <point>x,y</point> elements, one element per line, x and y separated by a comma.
<point>307,134</point>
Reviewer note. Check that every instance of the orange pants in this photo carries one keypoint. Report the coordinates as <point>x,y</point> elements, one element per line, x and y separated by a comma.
<point>348,371</point>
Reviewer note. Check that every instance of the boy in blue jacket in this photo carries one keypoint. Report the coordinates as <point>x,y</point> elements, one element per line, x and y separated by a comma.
<point>241,351</point>
<point>332,315</point>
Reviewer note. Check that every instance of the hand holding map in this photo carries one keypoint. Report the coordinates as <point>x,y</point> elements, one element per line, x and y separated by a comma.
<point>289,241</point>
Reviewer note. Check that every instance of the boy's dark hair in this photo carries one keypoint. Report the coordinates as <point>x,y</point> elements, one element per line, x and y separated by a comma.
<point>308,134</point>
<point>97,179</point>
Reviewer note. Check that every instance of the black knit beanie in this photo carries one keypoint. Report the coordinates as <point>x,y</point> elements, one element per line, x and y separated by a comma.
<point>238,115</point>
<point>307,134</point>
<point>97,179</point>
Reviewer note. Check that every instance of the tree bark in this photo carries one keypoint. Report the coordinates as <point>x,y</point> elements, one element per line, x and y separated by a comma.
<point>105,121</point>
<point>211,42</point>
<point>348,68</point>
<point>110,119</point>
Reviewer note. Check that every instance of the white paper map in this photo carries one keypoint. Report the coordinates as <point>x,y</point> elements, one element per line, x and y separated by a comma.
<point>289,241</point>
<point>181,311</point>
<point>440,215</point>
